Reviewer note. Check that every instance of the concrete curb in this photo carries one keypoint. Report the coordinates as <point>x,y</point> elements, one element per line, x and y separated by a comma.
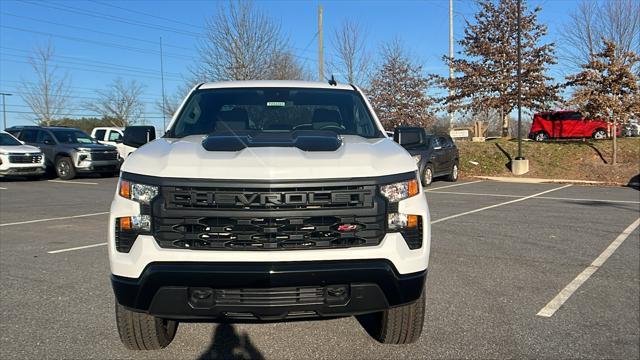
<point>525,180</point>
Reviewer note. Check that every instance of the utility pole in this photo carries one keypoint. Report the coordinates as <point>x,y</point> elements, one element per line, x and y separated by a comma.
<point>320,47</point>
<point>164,101</point>
<point>451,61</point>
<point>4,108</point>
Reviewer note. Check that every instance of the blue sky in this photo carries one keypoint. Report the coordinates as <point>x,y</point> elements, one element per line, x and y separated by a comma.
<point>98,41</point>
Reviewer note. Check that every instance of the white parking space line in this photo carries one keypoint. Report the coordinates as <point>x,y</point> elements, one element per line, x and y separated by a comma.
<point>566,293</point>
<point>539,197</point>
<point>498,205</point>
<point>53,219</point>
<point>3,188</point>
<point>72,182</point>
<point>474,194</point>
<point>75,248</point>
<point>448,186</point>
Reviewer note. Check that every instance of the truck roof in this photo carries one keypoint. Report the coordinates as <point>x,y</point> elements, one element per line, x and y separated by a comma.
<point>274,84</point>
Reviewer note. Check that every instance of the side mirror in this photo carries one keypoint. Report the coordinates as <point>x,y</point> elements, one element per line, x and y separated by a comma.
<point>410,137</point>
<point>48,142</point>
<point>117,141</point>
<point>136,136</point>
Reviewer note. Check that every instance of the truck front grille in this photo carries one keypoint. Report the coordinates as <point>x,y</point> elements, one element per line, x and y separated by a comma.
<point>263,216</point>
<point>188,197</point>
<point>25,158</point>
<point>102,156</point>
<point>268,233</point>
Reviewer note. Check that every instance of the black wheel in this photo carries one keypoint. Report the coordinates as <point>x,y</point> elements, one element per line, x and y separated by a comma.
<point>453,175</point>
<point>139,331</point>
<point>65,169</point>
<point>399,325</point>
<point>541,136</point>
<point>427,175</point>
<point>600,134</point>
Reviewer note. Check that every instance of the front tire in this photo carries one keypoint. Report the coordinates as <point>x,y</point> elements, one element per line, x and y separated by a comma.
<point>541,136</point>
<point>65,169</point>
<point>399,325</point>
<point>139,331</point>
<point>453,176</point>
<point>427,175</point>
<point>600,134</point>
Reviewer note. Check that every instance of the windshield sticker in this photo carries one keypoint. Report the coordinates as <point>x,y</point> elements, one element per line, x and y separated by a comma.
<point>275,103</point>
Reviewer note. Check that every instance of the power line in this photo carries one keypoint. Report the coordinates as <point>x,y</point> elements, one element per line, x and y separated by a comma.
<point>91,30</point>
<point>95,71</point>
<point>148,73</point>
<point>83,115</point>
<point>145,14</point>
<point>85,60</point>
<point>134,22</point>
<point>18,91</point>
<point>94,42</point>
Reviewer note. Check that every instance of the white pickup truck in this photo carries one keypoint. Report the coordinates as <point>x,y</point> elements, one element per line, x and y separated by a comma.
<point>112,136</point>
<point>269,200</point>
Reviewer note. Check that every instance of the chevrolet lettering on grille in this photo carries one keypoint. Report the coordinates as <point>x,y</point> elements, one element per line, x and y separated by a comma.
<point>291,199</point>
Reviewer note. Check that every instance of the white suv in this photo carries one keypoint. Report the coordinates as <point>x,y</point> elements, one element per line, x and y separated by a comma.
<point>19,159</point>
<point>269,200</point>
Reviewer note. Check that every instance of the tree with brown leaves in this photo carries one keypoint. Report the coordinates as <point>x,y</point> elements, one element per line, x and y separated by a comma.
<point>486,75</point>
<point>398,91</point>
<point>607,87</point>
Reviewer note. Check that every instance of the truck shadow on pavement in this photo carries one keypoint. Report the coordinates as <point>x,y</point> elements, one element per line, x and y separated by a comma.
<point>227,344</point>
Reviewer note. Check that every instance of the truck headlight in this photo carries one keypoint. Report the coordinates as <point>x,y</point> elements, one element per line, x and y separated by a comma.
<point>401,190</point>
<point>141,193</point>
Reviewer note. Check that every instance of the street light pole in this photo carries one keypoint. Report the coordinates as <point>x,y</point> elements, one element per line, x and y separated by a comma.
<point>519,165</point>
<point>4,108</point>
<point>519,157</point>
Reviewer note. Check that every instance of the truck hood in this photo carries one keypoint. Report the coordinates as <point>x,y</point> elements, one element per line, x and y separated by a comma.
<point>19,149</point>
<point>186,158</point>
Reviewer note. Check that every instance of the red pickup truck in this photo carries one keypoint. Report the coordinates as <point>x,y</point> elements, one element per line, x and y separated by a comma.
<point>567,124</point>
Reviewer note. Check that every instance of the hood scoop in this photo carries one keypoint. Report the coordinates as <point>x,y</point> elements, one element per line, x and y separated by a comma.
<point>305,140</point>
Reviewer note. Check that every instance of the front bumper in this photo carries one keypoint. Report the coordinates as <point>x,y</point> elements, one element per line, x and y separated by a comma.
<point>23,170</point>
<point>267,290</point>
<point>91,166</point>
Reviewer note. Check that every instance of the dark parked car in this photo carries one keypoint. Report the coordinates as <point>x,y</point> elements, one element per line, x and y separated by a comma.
<point>70,151</point>
<point>436,155</point>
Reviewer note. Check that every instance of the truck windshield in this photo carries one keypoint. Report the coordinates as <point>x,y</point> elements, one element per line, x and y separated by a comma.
<point>275,110</point>
<point>71,136</point>
<point>8,140</point>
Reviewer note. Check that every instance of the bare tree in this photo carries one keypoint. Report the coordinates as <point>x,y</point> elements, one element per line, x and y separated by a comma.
<point>170,106</point>
<point>351,60</point>
<point>120,102</point>
<point>617,21</point>
<point>284,66</point>
<point>47,97</point>
<point>242,43</point>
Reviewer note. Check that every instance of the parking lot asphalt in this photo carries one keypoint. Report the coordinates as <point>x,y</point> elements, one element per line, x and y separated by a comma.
<point>500,253</point>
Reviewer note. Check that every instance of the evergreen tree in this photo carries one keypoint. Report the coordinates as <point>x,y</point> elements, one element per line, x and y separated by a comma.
<point>486,77</point>
<point>398,91</point>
